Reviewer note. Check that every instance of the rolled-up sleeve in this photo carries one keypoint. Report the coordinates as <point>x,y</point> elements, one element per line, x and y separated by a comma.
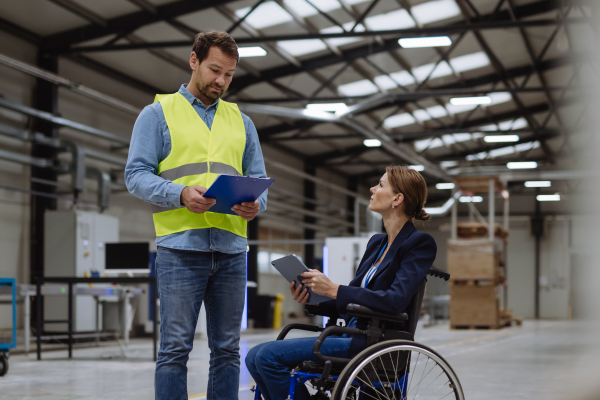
<point>145,153</point>
<point>253,163</point>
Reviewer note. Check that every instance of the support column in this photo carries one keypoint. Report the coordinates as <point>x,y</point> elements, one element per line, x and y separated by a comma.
<point>454,216</point>
<point>46,97</point>
<point>492,209</point>
<point>309,234</point>
<point>537,229</point>
<point>353,186</point>
<point>252,273</point>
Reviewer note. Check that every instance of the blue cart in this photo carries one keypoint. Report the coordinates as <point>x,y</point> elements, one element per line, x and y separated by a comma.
<point>8,286</point>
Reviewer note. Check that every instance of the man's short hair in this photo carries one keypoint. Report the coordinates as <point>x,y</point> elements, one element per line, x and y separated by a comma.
<point>205,40</point>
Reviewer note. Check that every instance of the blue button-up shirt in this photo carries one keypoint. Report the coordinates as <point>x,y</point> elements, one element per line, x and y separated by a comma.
<point>151,143</point>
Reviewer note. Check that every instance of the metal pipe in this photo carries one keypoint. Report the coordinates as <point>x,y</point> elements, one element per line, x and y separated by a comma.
<point>62,121</point>
<point>73,86</point>
<point>454,217</point>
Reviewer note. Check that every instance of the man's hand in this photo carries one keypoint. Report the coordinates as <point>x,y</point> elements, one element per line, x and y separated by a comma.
<point>192,199</point>
<point>247,210</point>
<point>301,296</point>
<point>320,284</point>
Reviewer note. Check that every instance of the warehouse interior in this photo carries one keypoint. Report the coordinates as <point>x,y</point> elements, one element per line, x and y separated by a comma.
<point>499,119</point>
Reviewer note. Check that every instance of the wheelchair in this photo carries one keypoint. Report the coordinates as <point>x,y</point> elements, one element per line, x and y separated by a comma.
<point>392,365</point>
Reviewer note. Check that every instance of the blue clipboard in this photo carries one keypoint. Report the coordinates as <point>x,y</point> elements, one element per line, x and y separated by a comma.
<point>229,190</point>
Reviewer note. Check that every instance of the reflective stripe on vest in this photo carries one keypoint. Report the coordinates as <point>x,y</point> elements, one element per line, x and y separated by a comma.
<point>198,156</point>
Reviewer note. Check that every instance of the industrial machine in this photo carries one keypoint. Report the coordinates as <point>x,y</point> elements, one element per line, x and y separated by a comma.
<point>74,245</point>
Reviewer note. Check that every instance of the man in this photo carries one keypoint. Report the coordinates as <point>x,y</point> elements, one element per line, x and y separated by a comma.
<point>180,144</point>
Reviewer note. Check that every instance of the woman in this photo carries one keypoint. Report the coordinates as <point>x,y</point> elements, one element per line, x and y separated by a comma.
<point>389,274</point>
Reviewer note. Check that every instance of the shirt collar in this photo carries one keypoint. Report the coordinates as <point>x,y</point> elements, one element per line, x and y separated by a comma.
<point>191,98</point>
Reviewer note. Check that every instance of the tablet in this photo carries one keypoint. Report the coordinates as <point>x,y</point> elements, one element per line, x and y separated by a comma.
<point>291,267</point>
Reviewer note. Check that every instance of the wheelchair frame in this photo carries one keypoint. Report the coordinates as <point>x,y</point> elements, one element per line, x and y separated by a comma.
<point>374,334</point>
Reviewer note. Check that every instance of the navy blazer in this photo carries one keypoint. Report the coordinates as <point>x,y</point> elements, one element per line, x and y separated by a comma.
<point>396,280</point>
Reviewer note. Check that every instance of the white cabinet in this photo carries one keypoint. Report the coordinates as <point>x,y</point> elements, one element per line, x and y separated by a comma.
<point>74,246</point>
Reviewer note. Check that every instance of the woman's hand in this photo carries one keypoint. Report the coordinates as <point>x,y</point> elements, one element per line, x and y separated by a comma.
<point>320,284</point>
<point>301,296</point>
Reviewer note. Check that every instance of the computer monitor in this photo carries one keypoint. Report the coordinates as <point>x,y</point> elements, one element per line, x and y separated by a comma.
<point>127,257</point>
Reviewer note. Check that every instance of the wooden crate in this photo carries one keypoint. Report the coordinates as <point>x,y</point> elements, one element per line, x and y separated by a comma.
<point>474,259</point>
<point>474,306</point>
<point>470,230</point>
<point>478,184</point>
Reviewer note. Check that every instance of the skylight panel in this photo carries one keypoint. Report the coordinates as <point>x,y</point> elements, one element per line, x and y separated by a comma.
<point>437,111</point>
<point>385,82</point>
<point>302,47</point>
<point>399,120</point>
<point>454,109</point>
<point>470,62</point>
<point>398,19</point>
<point>404,78</point>
<point>422,72</point>
<point>447,140</point>
<point>435,11</point>
<point>359,88</point>
<point>342,41</point>
<point>430,143</point>
<point>303,9</point>
<point>265,15</point>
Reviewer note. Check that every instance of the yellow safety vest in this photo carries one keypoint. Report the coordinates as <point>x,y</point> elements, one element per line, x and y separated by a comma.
<point>198,155</point>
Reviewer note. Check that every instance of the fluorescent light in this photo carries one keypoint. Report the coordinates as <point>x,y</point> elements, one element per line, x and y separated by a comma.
<point>265,15</point>
<point>538,184</point>
<point>503,151</point>
<point>435,11</point>
<point>444,186</point>
<point>548,197</point>
<point>253,51</point>
<point>372,142</point>
<point>522,165</point>
<point>334,107</point>
<point>417,167</point>
<point>399,120</point>
<point>358,88</point>
<point>302,47</point>
<point>501,138</point>
<point>461,101</point>
<point>434,41</point>
<point>470,199</point>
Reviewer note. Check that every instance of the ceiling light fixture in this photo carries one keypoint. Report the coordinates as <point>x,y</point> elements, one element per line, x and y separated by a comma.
<point>538,184</point>
<point>548,197</point>
<point>417,167</point>
<point>252,51</point>
<point>501,138</point>
<point>372,142</point>
<point>463,101</point>
<point>470,199</point>
<point>434,41</point>
<point>522,165</point>
<point>444,186</point>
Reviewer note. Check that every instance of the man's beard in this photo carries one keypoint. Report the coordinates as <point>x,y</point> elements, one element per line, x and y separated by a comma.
<point>206,91</point>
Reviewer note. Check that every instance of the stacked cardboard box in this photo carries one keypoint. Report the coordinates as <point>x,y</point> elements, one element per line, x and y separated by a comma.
<point>476,266</point>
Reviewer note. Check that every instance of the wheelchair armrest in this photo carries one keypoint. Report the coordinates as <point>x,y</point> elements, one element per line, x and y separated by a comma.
<point>356,310</point>
<point>303,327</point>
<point>438,273</point>
<point>334,330</point>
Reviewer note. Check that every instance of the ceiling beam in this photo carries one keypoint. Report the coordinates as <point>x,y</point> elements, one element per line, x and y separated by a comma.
<point>487,79</point>
<point>125,23</point>
<point>410,32</point>
<point>525,11</point>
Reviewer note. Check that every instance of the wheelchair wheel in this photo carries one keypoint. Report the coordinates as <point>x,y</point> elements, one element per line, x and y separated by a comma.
<point>397,370</point>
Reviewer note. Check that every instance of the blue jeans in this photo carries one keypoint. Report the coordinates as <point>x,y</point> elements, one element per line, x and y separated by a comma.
<point>185,279</point>
<point>270,363</point>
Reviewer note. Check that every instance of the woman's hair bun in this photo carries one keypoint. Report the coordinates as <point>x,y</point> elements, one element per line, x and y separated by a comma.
<point>421,215</point>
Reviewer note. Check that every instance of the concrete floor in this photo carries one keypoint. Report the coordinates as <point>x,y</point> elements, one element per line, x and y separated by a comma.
<point>543,359</point>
